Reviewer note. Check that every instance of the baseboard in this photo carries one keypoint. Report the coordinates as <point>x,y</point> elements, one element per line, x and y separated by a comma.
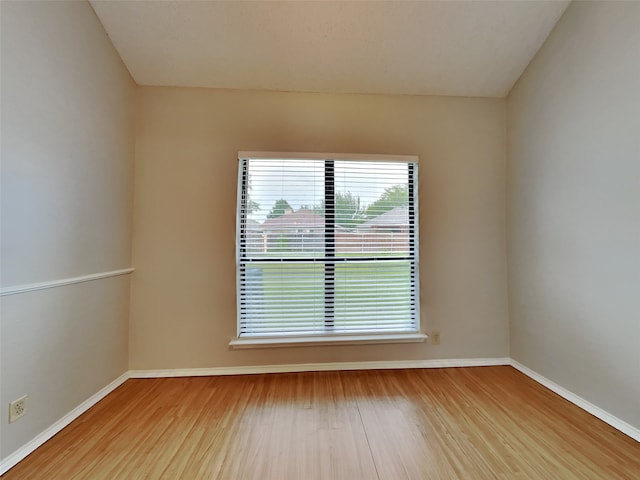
<point>603,415</point>
<point>318,367</point>
<point>15,457</point>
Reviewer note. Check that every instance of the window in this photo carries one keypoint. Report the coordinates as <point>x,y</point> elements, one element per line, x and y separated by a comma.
<point>327,246</point>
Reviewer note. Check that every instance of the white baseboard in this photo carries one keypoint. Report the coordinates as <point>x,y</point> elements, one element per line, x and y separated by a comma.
<point>318,367</point>
<point>15,457</point>
<point>603,415</point>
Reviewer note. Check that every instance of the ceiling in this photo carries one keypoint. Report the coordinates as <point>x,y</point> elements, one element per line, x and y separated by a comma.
<point>470,48</point>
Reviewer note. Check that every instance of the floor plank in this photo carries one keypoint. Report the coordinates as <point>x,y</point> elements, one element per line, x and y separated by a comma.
<point>456,423</point>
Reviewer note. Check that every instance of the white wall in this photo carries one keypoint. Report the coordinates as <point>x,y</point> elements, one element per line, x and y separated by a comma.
<point>67,167</point>
<point>183,295</point>
<point>574,207</point>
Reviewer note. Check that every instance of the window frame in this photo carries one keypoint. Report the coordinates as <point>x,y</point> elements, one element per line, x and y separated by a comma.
<point>327,338</point>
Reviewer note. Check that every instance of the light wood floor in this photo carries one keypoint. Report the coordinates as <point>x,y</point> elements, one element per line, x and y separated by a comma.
<point>458,423</point>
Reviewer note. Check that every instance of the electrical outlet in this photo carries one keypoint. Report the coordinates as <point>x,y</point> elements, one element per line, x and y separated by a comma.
<point>17,409</point>
<point>435,337</point>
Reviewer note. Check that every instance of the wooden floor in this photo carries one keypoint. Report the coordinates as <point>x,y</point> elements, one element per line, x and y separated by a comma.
<point>457,423</point>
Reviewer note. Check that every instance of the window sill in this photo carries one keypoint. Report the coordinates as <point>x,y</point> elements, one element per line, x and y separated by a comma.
<point>277,342</point>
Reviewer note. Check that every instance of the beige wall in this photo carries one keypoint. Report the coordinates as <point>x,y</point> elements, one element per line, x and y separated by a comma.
<point>67,166</point>
<point>183,296</point>
<point>574,208</point>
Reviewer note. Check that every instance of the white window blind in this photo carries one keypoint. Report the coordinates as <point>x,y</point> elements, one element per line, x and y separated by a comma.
<point>327,246</point>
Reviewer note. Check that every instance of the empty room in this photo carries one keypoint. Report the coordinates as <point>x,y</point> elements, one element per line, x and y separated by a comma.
<point>320,240</point>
